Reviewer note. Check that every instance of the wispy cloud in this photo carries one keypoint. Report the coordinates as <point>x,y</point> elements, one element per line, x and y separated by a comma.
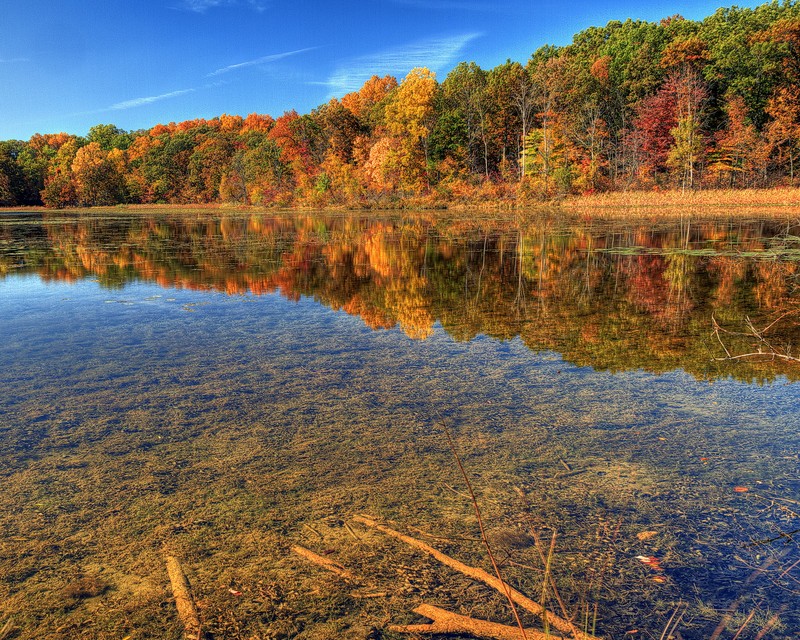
<point>138,102</point>
<point>435,54</point>
<point>257,61</point>
<point>201,6</point>
<point>13,60</point>
<point>450,5</point>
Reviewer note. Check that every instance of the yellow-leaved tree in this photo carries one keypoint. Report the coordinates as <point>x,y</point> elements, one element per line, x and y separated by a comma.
<point>98,175</point>
<point>403,156</point>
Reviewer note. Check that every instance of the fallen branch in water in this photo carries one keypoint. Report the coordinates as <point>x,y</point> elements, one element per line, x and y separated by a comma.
<point>8,627</point>
<point>765,350</point>
<point>774,620</point>
<point>184,603</point>
<point>446,622</point>
<point>506,589</point>
<point>330,565</point>
<point>731,610</point>
<point>672,623</point>
<point>483,576</point>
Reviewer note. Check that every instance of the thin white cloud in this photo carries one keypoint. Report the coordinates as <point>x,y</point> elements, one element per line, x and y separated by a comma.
<point>435,54</point>
<point>138,102</point>
<point>449,5</point>
<point>201,6</point>
<point>13,60</point>
<point>262,60</point>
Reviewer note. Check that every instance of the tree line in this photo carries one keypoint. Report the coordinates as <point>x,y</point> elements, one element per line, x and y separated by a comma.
<point>632,105</point>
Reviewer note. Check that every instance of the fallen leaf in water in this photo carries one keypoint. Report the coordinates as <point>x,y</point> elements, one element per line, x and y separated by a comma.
<point>741,489</point>
<point>651,561</point>
<point>659,579</point>
<point>646,535</point>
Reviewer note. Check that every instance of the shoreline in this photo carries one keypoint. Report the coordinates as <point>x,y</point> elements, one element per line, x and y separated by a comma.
<point>668,203</point>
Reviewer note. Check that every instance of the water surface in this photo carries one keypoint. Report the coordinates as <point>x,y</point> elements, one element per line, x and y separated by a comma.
<point>220,386</point>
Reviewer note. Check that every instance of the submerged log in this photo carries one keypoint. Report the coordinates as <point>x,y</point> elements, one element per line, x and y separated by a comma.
<point>184,603</point>
<point>447,622</point>
<point>325,562</point>
<point>476,573</point>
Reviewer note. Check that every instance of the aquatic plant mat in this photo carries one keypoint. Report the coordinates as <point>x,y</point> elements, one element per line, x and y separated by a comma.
<point>284,446</point>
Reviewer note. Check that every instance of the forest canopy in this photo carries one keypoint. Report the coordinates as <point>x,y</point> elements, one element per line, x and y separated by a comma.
<point>631,105</point>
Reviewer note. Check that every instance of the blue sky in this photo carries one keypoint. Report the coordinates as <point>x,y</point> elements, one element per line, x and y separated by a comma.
<point>66,65</point>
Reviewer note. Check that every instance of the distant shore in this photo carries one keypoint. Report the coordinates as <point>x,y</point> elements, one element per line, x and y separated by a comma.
<point>777,200</point>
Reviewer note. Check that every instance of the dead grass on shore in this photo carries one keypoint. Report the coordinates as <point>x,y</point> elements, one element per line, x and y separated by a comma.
<point>618,204</point>
<point>677,202</point>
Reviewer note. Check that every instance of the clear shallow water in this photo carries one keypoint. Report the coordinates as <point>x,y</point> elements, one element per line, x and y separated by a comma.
<point>223,388</point>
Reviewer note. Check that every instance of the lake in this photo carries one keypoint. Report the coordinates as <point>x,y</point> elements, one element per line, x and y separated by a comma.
<point>220,386</point>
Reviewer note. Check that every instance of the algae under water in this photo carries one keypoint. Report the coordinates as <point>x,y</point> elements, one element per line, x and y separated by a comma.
<point>222,386</point>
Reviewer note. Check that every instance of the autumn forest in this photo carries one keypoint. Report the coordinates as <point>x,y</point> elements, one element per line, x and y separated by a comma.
<point>676,104</point>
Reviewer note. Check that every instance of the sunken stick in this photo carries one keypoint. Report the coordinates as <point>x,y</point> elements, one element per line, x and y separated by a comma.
<point>184,603</point>
<point>483,576</point>
<point>446,622</point>
<point>325,562</point>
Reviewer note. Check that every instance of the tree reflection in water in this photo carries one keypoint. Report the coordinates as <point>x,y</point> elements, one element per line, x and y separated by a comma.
<point>613,296</point>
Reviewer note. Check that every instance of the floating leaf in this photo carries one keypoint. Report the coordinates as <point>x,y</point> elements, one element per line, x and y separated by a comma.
<point>646,535</point>
<point>651,561</point>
